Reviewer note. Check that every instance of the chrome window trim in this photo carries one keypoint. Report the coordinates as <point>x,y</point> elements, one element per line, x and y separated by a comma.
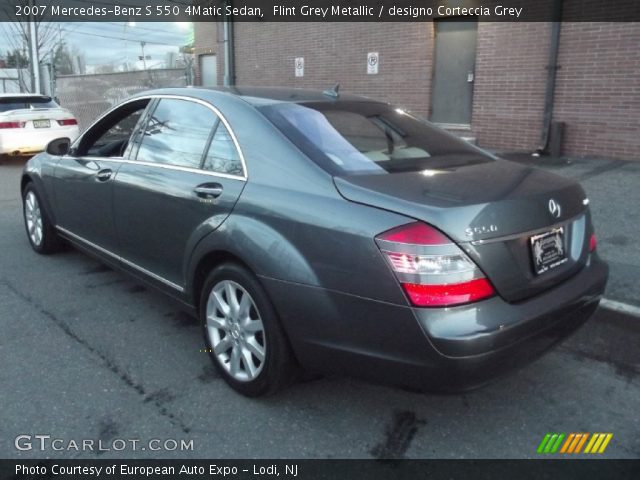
<point>215,110</point>
<point>78,238</point>
<point>166,166</point>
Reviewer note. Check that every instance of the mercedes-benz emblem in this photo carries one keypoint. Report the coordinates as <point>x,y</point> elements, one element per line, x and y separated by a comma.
<point>554,208</point>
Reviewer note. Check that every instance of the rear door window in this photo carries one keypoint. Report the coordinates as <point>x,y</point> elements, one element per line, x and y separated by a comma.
<point>223,156</point>
<point>177,133</point>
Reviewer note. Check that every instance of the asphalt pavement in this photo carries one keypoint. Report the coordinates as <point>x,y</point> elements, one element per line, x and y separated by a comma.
<point>87,353</point>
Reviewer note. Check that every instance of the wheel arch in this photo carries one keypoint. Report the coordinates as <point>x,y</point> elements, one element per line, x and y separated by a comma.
<point>204,266</point>
<point>34,179</point>
<point>26,179</point>
<point>215,258</point>
<point>253,243</point>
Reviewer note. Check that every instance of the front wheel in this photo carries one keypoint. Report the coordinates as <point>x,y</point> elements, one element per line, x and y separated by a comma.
<point>243,334</point>
<point>40,232</point>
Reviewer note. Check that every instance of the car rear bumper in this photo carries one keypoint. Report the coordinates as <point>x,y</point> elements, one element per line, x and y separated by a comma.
<point>435,349</point>
<point>29,141</point>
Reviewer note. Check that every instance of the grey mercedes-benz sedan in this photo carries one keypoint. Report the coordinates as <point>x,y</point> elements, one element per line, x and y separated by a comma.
<point>327,232</point>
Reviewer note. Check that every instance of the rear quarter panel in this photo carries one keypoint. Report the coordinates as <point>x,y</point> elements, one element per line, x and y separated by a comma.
<point>291,223</point>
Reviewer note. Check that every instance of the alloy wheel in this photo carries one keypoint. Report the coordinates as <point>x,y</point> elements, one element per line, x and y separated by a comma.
<point>33,217</point>
<point>235,330</point>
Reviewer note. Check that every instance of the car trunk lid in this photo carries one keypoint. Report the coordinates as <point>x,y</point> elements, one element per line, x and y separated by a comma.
<point>491,209</point>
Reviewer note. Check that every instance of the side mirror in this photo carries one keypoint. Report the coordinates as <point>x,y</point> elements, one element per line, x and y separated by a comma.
<point>59,146</point>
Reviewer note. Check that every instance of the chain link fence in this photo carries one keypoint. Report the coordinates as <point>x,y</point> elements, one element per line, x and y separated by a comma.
<point>13,80</point>
<point>88,96</point>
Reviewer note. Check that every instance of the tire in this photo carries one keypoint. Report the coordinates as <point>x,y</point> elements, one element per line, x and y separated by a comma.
<point>244,337</point>
<point>40,231</point>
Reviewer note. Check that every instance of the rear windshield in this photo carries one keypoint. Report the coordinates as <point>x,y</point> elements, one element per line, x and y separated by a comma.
<point>20,103</point>
<point>351,138</point>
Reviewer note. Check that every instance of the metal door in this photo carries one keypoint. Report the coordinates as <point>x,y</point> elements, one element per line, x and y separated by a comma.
<point>208,70</point>
<point>454,71</point>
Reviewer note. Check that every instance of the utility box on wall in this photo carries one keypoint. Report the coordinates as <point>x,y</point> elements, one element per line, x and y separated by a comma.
<point>556,139</point>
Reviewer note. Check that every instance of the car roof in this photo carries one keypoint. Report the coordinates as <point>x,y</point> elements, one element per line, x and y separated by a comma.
<point>259,95</point>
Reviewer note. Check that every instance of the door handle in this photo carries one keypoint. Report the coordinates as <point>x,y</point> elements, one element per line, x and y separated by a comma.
<point>208,191</point>
<point>104,175</point>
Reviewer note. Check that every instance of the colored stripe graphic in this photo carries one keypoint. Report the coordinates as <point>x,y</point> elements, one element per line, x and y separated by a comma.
<point>551,442</point>
<point>556,445</point>
<point>598,443</point>
<point>543,443</point>
<point>567,443</point>
<point>581,442</point>
<point>604,445</point>
<point>572,443</point>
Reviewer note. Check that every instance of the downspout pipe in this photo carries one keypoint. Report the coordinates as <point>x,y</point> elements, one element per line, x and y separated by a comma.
<point>229,54</point>
<point>552,69</point>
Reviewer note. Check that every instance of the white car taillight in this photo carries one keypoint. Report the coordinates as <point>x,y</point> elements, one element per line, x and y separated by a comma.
<point>12,124</point>
<point>433,271</point>
<point>67,122</point>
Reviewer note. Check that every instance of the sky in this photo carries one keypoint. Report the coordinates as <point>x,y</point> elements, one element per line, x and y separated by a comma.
<point>113,42</point>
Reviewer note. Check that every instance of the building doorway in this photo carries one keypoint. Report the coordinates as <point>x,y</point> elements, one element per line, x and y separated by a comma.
<point>454,71</point>
<point>208,70</point>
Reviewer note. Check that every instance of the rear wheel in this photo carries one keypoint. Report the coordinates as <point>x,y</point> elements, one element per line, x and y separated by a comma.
<point>40,232</point>
<point>243,334</point>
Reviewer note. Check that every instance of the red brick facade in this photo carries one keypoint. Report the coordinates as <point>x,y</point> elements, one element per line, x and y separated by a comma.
<point>597,85</point>
<point>598,88</point>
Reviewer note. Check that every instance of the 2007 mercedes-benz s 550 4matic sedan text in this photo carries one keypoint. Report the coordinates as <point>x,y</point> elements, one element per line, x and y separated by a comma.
<point>326,232</point>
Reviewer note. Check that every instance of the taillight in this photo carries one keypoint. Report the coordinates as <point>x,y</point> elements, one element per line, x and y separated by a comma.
<point>11,124</point>
<point>68,121</point>
<point>593,243</point>
<point>433,271</point>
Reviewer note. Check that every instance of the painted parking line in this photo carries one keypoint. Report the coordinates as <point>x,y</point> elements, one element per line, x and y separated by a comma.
<point>621,307</point>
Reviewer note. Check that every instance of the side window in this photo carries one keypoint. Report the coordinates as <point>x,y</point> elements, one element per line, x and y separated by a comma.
<point>113,142</point>
<point>110,137</point>
<point>176,133</point>
<point>223,156</point>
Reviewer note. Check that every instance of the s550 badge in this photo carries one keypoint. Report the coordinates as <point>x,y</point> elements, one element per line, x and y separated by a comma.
<point>484,229</point>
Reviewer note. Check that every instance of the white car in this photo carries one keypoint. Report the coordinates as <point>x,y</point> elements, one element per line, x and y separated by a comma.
<point>29,122</point>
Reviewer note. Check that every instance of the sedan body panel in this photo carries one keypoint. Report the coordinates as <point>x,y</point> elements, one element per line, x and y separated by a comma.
<point>491,209</point>
<point>480,195</point>
<point>83,192</point>
<point>140,192</point>
<point>300,246</point>
<point>459,348</point>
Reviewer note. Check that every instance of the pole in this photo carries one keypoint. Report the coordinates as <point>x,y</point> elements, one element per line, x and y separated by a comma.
<point>33,43</point>
<point>144,60</point>
<point>229,56</point>
<point>552,69</point>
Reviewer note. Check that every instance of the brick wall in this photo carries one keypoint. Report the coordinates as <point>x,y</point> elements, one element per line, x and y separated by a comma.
<point>597,88</point>
<point>337,52</point>
<point>509,90</point>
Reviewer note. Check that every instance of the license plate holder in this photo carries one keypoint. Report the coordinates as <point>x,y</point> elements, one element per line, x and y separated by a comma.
<point>42,124</point>
<point>548,250</point>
